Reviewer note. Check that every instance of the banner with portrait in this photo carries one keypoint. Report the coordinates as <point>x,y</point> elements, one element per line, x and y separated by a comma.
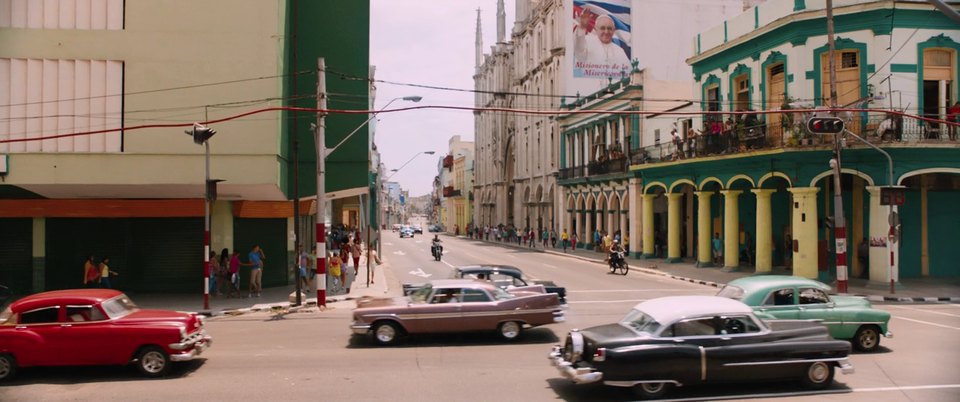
<point>601,38</point>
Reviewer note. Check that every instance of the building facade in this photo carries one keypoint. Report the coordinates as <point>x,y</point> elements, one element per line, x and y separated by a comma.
<point>111,79</point>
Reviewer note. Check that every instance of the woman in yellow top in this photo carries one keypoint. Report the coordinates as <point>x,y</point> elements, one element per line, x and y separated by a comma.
<point>564,238</point>
<point>334,266</point>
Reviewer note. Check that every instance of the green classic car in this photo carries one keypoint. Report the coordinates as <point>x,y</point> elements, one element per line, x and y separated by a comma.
<point>792,297</point>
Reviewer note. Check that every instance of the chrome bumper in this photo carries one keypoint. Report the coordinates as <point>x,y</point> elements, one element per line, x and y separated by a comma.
<point>360,329</point>
<point>583,375</point>
<point>559,316</point>
<point>845,366</point>
<point>888,334</point>
<point>192,346</point>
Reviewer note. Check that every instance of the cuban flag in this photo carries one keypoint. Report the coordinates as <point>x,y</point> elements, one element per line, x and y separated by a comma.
<point>618,10</point>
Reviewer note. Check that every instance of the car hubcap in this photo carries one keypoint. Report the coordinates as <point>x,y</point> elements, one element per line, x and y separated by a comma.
<point>818,372</point>
<point>510,330</point>
<point>153,362</point>
<point>868,339</point>
<point>4,367</point>
<point>385,333</point>
<point>652,388</point>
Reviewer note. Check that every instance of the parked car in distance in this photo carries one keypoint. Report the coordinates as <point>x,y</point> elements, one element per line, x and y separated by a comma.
<point>503,276</point>
<point>792,297</point>
<point>418,229</point>
<point>434,228</point>
<point>406,231</point>
<point>456,305</point>
<point>686,340</point>
<point>396,227</point>
<point>95,327</point>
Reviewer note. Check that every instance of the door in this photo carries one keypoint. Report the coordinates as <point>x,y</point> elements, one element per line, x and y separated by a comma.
<point>815,304</point>
<point>780,303</point>
<point>89,337</point>
<point>775,97</point>
<point>16,271</point>
<point>848,81</point>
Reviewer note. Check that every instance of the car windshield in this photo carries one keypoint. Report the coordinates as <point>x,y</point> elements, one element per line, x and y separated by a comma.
<point>731,292</point>
<point>421,295</point>
<point>640,322</point>
<point>500,294</point>
<point>119,306</point>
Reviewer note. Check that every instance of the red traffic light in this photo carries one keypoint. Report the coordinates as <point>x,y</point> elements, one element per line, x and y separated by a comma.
<point>825,125</point>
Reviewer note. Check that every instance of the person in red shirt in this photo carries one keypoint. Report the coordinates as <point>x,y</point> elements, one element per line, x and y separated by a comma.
<point>953,116</point>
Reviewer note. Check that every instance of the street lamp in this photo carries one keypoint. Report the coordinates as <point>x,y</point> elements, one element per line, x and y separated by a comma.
<point>394,171</point>
<point>201,134</point>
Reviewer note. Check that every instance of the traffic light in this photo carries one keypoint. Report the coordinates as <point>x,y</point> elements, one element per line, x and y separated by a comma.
<point>200,133</point>
<point>825,125</point>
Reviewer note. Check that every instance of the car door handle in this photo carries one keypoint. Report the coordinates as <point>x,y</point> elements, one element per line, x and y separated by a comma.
<point>66,325</point>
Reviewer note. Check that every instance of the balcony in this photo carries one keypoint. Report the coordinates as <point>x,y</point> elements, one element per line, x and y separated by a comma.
<point>448,161</point>
<point>449,191</point>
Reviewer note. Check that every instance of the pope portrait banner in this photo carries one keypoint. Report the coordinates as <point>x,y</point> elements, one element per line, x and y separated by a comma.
<point>601,40</point>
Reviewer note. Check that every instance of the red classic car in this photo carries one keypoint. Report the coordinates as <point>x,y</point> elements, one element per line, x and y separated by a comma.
<point>457,305</point>
<point>95,327</point>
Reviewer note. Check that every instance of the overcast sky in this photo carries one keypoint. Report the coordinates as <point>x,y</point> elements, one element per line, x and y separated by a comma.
<point>426,42</point>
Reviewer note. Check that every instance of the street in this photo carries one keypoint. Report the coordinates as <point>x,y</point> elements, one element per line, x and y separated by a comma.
<point>311,355</point>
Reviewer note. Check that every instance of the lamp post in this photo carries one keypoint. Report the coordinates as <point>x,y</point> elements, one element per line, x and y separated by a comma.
<point>394,171</point>
<point>201,134</point>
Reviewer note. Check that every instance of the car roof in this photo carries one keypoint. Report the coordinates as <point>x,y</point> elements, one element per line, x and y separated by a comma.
<point>63,297</point>
<point>763,283</point>
<point>471,269</point>
<point>672,308</point>
<point>451,283</point>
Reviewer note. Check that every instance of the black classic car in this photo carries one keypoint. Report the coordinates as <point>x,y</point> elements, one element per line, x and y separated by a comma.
<point>687,340</point>
<point>504,276</point>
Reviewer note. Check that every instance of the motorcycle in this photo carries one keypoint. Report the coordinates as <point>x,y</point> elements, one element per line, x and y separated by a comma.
<point>618,263</point>
<point>436,250</point>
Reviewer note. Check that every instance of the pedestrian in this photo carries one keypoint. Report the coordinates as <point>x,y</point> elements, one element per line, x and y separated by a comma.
<point>717,248</point>
<point>214,272</point>
<point>597,239</point>
<point>256,258</point>
<point>553,238</point>
<point>546,237</point>
<point>105,273</point>
<point>573,241</point>
<point>223,275</point>
<point>863,255</point>
<point>303,266</point>
<point>234,271</point>
<point>564,239</point>
<point>91,275</point>
<point>344,261</point>
<point>355,249</point>
<point>335,270</point>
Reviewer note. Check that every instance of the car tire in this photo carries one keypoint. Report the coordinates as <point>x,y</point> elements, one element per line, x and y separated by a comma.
<point>818,376</point>
<point>385,333</point>
<point>867,338</point>
<point>8,366</point>
<point>651,390</point>
<point>510,330</point>
<point>153,361</point>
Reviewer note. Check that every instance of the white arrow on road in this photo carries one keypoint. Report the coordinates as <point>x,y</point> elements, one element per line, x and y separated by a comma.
<point>419,272</point>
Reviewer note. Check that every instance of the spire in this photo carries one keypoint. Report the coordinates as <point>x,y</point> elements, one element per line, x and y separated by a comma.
<point>501,22</point>
<point>479,43</point>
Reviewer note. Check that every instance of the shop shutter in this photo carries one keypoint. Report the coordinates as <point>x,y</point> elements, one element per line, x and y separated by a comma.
<point>271,235</point>
<point>16,260</point>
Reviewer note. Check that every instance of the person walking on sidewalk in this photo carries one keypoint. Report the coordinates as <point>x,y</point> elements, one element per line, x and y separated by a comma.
<point>355,250</point>
<point>573,241</point>
<point>564,239</point>
<point>256,258</point>
<point>105,273</point>
<point>234,271</point>
<point>214,274</point>
<point>717,248</point>
<point>91,275</point>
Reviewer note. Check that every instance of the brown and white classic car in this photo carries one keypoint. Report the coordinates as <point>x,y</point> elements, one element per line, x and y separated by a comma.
<point>456,305</point>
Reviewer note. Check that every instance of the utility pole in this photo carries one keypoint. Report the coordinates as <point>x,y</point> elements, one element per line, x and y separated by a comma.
<point>320,136</point>
<point>296,211</point>
<point>840,230</point>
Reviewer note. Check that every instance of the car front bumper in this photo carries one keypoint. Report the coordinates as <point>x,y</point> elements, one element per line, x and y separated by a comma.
<point>360,329</point>
<point>579,375</point>
<point>191,347</point>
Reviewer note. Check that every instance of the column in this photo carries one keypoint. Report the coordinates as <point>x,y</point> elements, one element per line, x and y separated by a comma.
<point>648,225</point>
<point>673,227</point>
<point>635,208</point>
<point>731,229</point>
<point>805,231</point>
<point>764,262</point>
<point>704,252</point>
<point>587,235</point>
<point>39,254</point>
<point>880,267</point>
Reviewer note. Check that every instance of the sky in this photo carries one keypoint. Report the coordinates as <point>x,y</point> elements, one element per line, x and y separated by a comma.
<point>426,42</point>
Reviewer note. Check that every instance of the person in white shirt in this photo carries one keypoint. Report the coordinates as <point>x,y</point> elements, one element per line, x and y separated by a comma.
<point>597,48</point>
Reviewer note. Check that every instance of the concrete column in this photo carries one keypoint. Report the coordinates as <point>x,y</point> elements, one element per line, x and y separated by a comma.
<point>805,231</point>
<point>587,237</point>
<point>704,253</point>
<point>636,206</point>
<point>673,227</point>
<point>879,229</point>
<point>764,261</point>
<point>648,250</point>
<point>39,254</point>
<point>731,228</point>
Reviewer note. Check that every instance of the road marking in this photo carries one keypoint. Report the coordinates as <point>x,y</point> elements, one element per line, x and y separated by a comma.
<point>419,272</point>
<point>928,323</point>
<point>925,311</point>
<point>635,290</point>
<point>549,266</point>
<point>606,301</point>
<point>448,264</point>
<point>809,393</point>
<point>387,244</point>
<point>399,252</point>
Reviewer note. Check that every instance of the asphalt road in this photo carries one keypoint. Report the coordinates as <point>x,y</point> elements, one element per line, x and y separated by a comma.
<point>312,356</point>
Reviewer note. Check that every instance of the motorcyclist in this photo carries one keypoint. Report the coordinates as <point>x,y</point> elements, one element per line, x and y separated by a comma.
<point>615,252</point>
<point>436,243</point>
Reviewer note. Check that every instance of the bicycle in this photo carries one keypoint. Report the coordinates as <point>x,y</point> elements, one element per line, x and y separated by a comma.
<point>618,263</point>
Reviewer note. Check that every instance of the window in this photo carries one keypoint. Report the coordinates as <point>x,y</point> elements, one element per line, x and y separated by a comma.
<point>731,292</point>
<point>40,316</point>
<point>504,280</point>
<point>695,327</point>
<point>848,60</point>
<point>446,296</point>
<point>782,297</point>
<point>739,325</point>
<point>813,296</point>
<point>742,95</point>
<point>84,313</point>
<point>475,296</point>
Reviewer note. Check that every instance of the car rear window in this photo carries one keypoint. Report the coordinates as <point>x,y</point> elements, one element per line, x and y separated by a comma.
<point>731,292</point>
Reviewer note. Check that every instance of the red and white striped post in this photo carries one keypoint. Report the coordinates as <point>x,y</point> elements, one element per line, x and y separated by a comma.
<point>206,260</point>
<point>320,137</point>
<point>840,227</point>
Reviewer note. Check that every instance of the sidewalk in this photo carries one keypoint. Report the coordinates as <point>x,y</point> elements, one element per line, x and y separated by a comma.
<point>909,290</point>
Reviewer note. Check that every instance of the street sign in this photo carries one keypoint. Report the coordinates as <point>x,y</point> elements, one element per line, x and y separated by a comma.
<point>890,195</point>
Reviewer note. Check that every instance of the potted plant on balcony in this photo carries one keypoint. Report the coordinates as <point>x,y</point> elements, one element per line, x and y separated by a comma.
<point>792,131</point>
